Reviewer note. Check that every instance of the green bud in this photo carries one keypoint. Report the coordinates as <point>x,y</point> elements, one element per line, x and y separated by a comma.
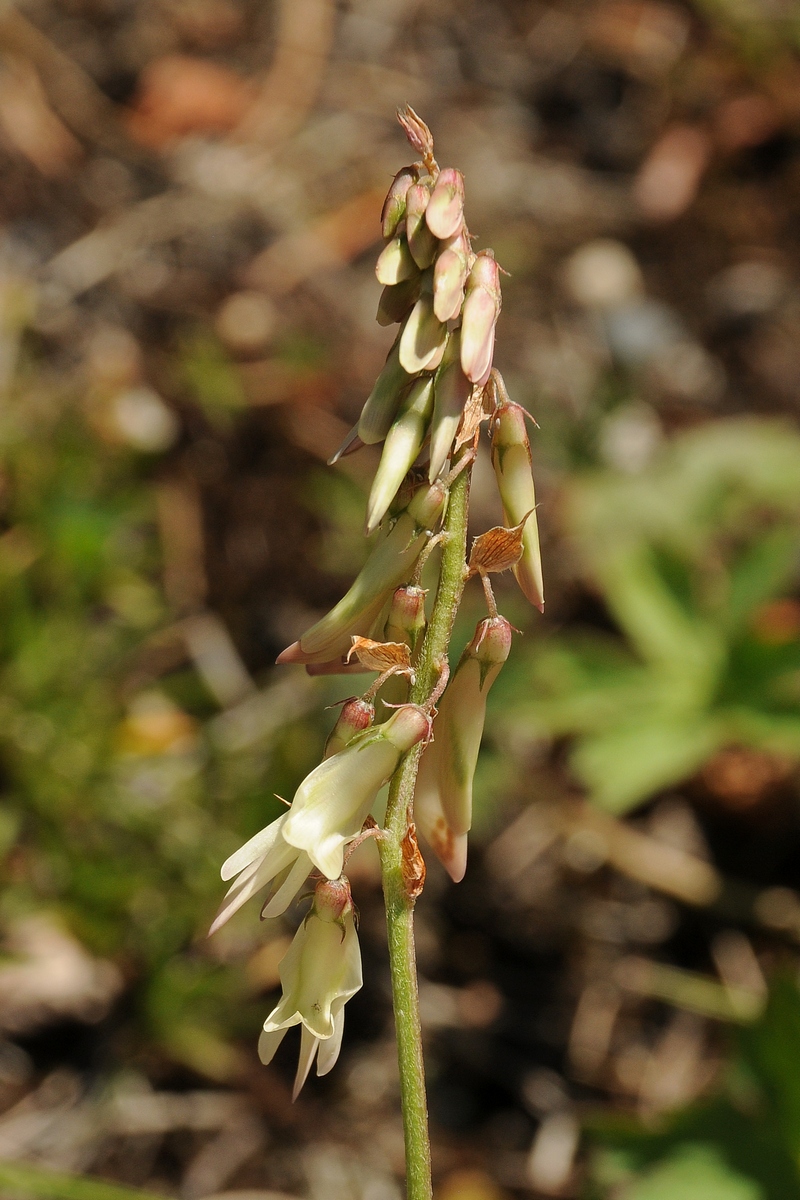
<point>396,302</point>
<point>406,619</point>
<point>394,206</point>
<point>423,338</point>
<point>390,563</point>
<point>402,445</point>
<point>395,263</point>
<point>421,242</point>
<point>451,390</point>
<point>383,401</point>
<point>511,459</point>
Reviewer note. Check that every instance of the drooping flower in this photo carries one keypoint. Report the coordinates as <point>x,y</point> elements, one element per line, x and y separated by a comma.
<point>332,803</point>
<point>265,858</point>
<point>319,973</point>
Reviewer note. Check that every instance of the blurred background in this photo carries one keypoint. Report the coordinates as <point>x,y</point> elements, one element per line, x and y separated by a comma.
<point>188,225</point>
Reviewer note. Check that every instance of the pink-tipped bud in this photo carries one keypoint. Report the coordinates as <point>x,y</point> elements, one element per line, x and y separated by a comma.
<point>380,407</point>
<point>395,263</point>
<point>511,459</point>
<point>394,206</point>
<point>445,213</point>
<point>407,726</point>
<point>423,339</point>
<point>397,301</point>
<point>443,802</point>
<point>421,242</point>
<point>451,390</point>
<point>479,317</point>
<point>332,899</point>
<point>449,278</point>
<point>406,619</point>
<point>355,716</point>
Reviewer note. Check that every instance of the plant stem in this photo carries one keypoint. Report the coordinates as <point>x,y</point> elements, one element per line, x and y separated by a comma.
<point>399,903</point>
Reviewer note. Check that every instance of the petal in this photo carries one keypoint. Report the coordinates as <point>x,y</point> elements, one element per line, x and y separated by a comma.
<point>477,334</point>
<point>268,1043</point>
<point>251,880</point>
<point>329,1049</point>
<point>308,1049</point>
<point>291,885</point>
<point>260,844</point>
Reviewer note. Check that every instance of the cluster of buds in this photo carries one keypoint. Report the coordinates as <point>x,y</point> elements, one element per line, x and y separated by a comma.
<point>438,386</point>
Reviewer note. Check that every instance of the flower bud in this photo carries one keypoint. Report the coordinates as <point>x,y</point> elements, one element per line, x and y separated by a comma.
<point>479,317</point>
<point>332,899</point>
<point>355,716</point>
<point>445,212</point>
<point>319,973</point>
<point>332,803</point>
<point>421,242</point>
<point>394,206</point>
<point>511,459</point>
<point>423,338</point>
<point>450,273</point>
<point>406,619</point>
<point>402,445</point>
<point>390,562</point>
<point>383,401</point>
<point>397,301</point>
<point>395,263</point>
<point>448,765</point>
<point>451,391</point>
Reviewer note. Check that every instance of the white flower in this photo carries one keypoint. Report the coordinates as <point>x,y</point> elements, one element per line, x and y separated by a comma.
<point>267,857</point>
<point>332,803</point>
<point>319,973</point>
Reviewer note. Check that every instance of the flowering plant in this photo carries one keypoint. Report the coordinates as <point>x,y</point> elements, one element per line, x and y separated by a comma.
<point>436,391</point>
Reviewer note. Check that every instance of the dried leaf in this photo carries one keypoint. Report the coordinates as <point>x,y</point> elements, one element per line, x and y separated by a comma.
<point>381,656</point>
<point>497,550</point>
<point>413,867</point>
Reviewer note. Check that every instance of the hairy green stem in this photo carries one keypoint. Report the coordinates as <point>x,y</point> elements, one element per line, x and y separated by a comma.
<point>399,901</point>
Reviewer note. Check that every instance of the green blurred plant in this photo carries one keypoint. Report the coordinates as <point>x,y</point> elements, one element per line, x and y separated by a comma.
<point>695,560</point>
<point>743,1143</point>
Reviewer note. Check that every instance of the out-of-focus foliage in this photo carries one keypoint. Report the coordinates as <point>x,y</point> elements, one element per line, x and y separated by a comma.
<point>740,1144</point>
<point>694,559</point>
